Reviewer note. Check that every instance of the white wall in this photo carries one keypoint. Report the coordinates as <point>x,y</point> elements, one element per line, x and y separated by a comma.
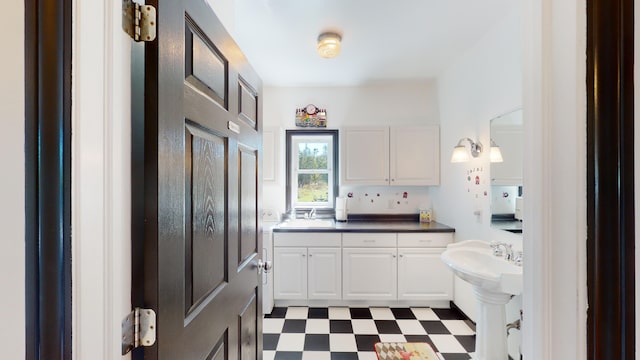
<point>386,103</point>
<point>225,11</point>
<point>483,83</point>
<point>12,256</point>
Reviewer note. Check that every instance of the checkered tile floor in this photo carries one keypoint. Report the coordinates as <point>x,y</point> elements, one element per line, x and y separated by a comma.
<point>341,333</point>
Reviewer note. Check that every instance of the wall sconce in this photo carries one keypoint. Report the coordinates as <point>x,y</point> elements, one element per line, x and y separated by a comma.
<point>495,155</point>
<point>460,153</point>
<point>329,45</point>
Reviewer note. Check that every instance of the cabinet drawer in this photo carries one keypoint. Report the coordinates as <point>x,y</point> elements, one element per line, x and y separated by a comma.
<point>424,239</point>
<point>304,239</point>
<point>368,240</point>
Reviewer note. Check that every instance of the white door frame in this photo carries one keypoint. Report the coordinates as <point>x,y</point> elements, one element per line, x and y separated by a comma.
<point>12,191</point>
<point>555,253</point>
<point>555,291</point>
<point>101,180</point>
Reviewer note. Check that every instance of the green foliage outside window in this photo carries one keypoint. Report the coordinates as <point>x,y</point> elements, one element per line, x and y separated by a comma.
<point>313,187</point>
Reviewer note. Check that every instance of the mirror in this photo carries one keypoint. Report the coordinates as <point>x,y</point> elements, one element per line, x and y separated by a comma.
<point>506,176</point>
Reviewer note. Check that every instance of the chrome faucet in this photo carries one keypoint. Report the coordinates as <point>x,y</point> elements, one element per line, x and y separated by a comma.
<point>518,258</point>
<point>508,251</point>
<point>312,213</point>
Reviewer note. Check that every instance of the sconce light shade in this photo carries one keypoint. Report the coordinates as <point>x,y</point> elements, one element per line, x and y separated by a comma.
<point>329,45</point>
<point>495,155</point>
<point>460,153</point>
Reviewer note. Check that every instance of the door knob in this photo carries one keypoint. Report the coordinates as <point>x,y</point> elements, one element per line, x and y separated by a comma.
<point>264,266</point>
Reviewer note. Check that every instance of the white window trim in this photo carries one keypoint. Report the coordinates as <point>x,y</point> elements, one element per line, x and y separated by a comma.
<point>295,141</point>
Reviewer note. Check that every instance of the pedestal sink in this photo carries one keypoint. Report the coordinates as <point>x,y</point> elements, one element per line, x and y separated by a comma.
<point>495,280</point>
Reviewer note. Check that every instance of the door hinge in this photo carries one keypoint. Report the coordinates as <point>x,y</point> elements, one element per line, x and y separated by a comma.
<point>138,329</point>
<point>139,21</point>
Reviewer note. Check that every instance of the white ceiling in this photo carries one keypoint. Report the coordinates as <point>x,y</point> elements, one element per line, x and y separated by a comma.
<point>382,40</point>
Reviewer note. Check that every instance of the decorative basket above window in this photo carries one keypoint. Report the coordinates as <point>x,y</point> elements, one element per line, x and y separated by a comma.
<point>311,116</point>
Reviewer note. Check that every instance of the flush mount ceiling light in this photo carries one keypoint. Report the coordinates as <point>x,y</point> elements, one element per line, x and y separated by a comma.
<point>460,153</point>
<point>495,155</point>
<point>329,45</point>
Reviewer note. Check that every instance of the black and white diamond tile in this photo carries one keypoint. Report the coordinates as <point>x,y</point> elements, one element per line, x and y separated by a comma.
<point>342,333</point>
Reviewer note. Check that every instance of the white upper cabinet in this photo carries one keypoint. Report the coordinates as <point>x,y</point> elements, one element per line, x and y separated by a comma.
<point>415,155</point>
<point>270,154</point>
<point>404,155</point>
<point>365,156</point>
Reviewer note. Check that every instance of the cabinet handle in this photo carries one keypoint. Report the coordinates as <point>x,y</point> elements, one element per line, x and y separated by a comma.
<point>394,255</point>
<point>310,255</point>
<point>369,241</point>
<point>386,179</point>
<point>393,179</point>
<point>303,255</point>
<point>401,255</point>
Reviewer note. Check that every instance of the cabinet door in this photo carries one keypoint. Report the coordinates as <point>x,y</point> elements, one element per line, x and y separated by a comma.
<point>422,275</point>
<point>365,156</point>
<point>270,154</point>
<point>324,278</point>
<point>369,273</point>
<point>415,155</point>
<point>290,273</point>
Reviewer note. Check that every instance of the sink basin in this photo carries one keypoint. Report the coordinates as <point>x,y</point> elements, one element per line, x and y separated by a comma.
<point>474,262</point>
<point>494,282</point>
<point>307,223</point>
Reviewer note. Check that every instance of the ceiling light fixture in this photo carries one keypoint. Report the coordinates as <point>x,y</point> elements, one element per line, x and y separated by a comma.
<point>460,153</point>
<point>329,45</point>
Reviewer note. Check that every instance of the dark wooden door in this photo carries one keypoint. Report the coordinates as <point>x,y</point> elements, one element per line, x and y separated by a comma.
<point>202,156</point>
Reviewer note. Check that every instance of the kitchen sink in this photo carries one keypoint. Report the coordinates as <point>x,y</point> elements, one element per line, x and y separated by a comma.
<point>307,223</point>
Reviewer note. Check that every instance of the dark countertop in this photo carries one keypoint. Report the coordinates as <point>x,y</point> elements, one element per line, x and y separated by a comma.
<point>514,226</point>
<point>376,226</point>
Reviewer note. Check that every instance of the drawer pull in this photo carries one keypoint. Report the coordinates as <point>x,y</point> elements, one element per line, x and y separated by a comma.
<point>426,241</point>
<point>369,241</point>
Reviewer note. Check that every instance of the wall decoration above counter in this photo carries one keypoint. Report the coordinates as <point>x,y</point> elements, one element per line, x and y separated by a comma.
<point>311,116</point>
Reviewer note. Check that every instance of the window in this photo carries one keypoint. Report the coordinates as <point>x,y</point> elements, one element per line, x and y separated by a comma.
<point>312,169</point>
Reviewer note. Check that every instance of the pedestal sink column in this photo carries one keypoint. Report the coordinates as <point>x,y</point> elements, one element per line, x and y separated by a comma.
<point>491,334</point>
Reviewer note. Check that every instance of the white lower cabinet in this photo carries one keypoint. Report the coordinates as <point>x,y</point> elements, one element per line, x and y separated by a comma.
<point>289,273</point>
<point>369,273</point>
<point>422,275</point>
<point>323,273</point>
<point>361,266</point>
<point>310,270</point>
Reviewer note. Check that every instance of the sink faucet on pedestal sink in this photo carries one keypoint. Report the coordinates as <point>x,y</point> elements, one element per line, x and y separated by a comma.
<point>495,281</point>
<point>508,250</point>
